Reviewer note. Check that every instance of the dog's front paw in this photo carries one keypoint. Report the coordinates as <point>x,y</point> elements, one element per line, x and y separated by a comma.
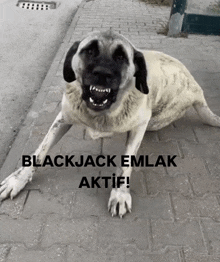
<point>119,201</point>
<point>14,183</point>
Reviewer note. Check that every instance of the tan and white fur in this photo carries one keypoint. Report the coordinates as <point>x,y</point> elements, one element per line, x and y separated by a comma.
<point>172,90</point>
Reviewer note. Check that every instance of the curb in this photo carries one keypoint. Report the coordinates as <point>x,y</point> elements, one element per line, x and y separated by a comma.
<point>14,154</point>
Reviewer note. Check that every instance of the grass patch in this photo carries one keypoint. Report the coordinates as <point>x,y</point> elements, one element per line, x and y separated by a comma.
<point>215,8</point>
<point>165,29</point>
<point>159,2</point>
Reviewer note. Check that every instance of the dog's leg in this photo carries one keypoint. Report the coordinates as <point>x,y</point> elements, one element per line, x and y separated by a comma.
<point>121,196</point>
<point>14,183</point>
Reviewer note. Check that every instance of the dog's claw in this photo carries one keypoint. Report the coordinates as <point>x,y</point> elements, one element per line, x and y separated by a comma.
<point>122,199</point>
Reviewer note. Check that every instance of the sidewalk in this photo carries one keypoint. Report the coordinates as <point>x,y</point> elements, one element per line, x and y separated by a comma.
<point>176,211</point>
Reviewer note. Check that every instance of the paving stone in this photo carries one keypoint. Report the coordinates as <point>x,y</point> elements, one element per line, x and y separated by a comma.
<point>163,183</point>
<point>46,117</point>
<point>55,180</point>
<point>207,151</point>
<point>188,165</point>
<point>213,101</point>
<point>213,166</point>
<point>150,161</point>
<point>151,207</point>
<point>191,256</point>
<point>204,80</point>
<point>133,254</point>
<point>4,250</point>
<point>82,232</point>
<point>14,207</point>
<point>123,232</point>
<point>186,207</point>
<point>76,132</point>
<point>35,138</point>
<point>54,96</point>
<point>185,233</point>
<point>159,148</point>
<point>177,132</point>
<point>20,253</point>
<point>138,184</point>
<point>46,203</point>
<point>110,145</point>
<point>205,65</point>
<point>76,146</point>
<point>203,183</point>
<point>51,107</point>
<point>212,234</point>
<point>87,204</point>
<point>113,253</point>
<point>21,230</point>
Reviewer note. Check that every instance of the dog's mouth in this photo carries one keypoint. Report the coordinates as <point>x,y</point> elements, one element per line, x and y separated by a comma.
<point>98,97</point>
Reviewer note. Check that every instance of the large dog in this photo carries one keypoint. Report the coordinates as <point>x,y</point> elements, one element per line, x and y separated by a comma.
<point>113,87</point>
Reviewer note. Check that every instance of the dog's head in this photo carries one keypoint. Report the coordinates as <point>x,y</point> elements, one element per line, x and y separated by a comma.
<point>103,63</point>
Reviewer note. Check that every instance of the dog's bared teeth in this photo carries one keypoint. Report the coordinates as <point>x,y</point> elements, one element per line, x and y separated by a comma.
<point>92,101</point>
<point>107,90</point>
<point>106,100</point>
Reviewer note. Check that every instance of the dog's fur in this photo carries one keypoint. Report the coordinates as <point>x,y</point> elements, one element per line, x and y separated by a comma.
<point>113,87</point>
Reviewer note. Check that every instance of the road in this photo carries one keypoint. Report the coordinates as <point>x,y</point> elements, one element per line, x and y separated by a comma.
<point>29,40</point>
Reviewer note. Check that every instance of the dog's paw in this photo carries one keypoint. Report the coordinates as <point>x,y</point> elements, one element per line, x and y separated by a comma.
<point>14,183</point>
<point>119,202</point>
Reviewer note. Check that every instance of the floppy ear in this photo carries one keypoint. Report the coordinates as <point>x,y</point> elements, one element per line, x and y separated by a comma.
<point>140,72</point>
<point>68,73</point>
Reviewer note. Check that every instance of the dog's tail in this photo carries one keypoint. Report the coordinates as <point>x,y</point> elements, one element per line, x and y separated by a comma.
<point>207,116</point>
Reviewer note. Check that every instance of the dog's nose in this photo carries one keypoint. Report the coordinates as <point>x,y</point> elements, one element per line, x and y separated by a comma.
<point>102,72</point>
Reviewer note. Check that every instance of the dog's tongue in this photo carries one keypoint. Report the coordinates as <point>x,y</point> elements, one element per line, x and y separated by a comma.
<point>98,92</point>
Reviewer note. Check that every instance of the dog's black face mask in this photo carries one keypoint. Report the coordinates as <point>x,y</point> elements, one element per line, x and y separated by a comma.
<point>101,76</point>
<point>101,73</point>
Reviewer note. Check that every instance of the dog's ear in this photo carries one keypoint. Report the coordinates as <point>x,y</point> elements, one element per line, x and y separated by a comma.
<point>140,72</point>
<point>68,73</point>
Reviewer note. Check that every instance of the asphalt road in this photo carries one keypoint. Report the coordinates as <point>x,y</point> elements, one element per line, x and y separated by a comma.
<point>29,40</point>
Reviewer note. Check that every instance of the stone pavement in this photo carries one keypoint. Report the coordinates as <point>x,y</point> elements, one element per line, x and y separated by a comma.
<point>176,210</point>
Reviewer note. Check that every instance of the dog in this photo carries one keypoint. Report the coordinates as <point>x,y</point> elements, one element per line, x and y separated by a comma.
<point>112,87</point>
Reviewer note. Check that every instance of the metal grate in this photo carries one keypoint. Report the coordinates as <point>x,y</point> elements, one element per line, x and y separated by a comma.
<point>36,5</point>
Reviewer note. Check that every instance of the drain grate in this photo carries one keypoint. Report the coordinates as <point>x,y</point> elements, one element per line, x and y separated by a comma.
<point>36,5</point>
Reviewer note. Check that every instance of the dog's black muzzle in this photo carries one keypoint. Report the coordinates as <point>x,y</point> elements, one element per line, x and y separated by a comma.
<point>100,88</point>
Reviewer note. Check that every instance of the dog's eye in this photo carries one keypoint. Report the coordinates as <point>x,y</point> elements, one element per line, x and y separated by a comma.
<point>119,58</point>
<point>119,55</point>
<point>90,52</point>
